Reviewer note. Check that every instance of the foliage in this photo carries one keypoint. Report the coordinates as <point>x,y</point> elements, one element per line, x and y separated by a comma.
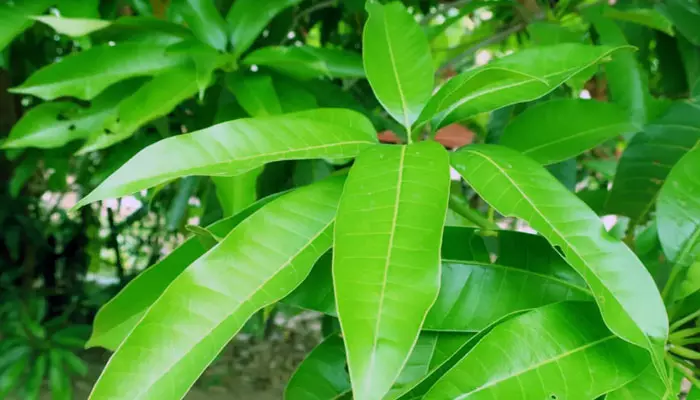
<point>263,126</point>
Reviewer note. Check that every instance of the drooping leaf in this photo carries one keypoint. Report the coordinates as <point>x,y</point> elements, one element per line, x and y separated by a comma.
<point>322,375</point>
<point>152,100</point>
<point>397,61</point>
<point>73,27</point>
<point>32,386</point>
<point>648,17</point>
<point>231,148</point>
<point>15,18</point>
<point>560,129</point>
<point>247,20</point>
<point>120,315</point>
<point>211,300</point>
<point>685,15</point>
<point>649,157</point>
<point>517,186</point>
<point>523,76</point>
<point>53,124</point>
<point>306,62</point>
<point>386,259</point>
<point>204,20</point>
<point>84,75</point>
<point>255,93</point>
<point>562,351</point>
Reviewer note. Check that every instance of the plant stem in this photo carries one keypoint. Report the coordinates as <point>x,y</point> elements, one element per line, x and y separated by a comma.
<point>460,206</point>
<point>684,352</point>
<point>674,326</point>
<point>684,333</point>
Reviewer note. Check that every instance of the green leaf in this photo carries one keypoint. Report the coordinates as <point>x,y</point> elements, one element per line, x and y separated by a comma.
<point>84,75</point>
<point>211,300</point>
<point>562,351</point>
<point>11,376</point>
<point>548,33</point>
<point>59,380</point>
<point>306,62</point>
<point>397,61</point>
<point>247,20</point>
<point>32,386</point>
<point>386,266</point>
<point>517,186</point>
<point>204,20</point>
<point>177,212</point>
<point>53,124</point>
<point>642,16</point>
<point>560,129</point>
<point>14,18</point>
<point>206,238</point>
<point>255,93</point>
<point>523,76</point>
<point>118,317</point>
<point>685,15</point>
<point>235,193</point>
<point>475,292</point>
<point>234,147</point>
<point>322,375</point>
<point>156,98</point>
<point>627,83</point>
<point>649,157</point>
<point>646,386</point>
<point>73,27</point>
<point>295,95</point>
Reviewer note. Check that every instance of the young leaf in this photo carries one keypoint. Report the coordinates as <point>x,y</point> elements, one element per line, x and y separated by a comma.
<point>84,75</point>
<point>649,157</point>
<point>255,93</point>
<point>230,148</point>
<point>678,218</point>
<point>322,375</point>
<point>154,99</point>
<point>247,19</point>
<point>523,76</point>
<point>305,62</point>
<point>517,186</point>
<point>397,61</point>
<point>211,300</point>
<point>15,18</point>
<point>386,259</point>
<point>562,351</point>
<point>561,129</point>
<point>205,21</point>
<point>118,317</point>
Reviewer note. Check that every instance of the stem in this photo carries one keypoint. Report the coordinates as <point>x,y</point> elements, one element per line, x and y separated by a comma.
<point>460,206</point>
<point>684,352</point>
<point>684,333</point>
<point>684,342</point>
<point>674,326</point>
<point>686,370</point>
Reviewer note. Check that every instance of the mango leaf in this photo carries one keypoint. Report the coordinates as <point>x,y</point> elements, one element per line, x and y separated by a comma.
<point>84,75</point>
<point>475,292</point>
<point>154,99</point>
<point>322,375</point>
<point>15,18</point>
<point>627,84</point>
<point>234,147</point>
<point>211,300</point>
<point>120,315</point>
<point>316,292</point>
<point>517,186</point>
<point>306,62</point>
<point>560,351</point>
<point>561,129</point>
<point>294,95</point>
<point>73,27</point>
<point>649,157</point>
<point>520,77</point>
<point>247,20</point>
<point>204,20</point>
<point>397,61</point>
<point>642,16</point>
<point>646,386</point>
<point>678,220</point>
<point>685,15</point>
<point>255,93</point>
<point>548,33</point>
<point>35,378</point>
<point>386,257</point>
<point>235,193</point>
<point>53,124</point>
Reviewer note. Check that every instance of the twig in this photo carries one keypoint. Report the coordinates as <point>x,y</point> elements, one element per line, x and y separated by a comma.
<point>460,206</point>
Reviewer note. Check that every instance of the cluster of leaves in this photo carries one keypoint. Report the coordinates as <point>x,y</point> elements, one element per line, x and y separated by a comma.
<point>426,310</point>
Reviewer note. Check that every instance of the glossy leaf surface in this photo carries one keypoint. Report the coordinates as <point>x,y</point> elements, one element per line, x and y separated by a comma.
<point>397,61</point>
<point>517,186</point>
<point>255,93</point>
<point>305,62</point>
<point>211,300</point>
<point>560,129</point>
<point>120,315</point>
<point>234,147</point>
<point>322,375</point>
<point>247,20</point>
<point>74,27</point>
<point>84,75</point>
<point>523,76</point>
<point>649,157</point>
<point>562,351</point>
<point>203,18</point>
<point>386,265</point>
<point>15,18</point>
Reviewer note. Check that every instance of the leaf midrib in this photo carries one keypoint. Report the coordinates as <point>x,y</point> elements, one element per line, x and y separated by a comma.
<point>392,58</point>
